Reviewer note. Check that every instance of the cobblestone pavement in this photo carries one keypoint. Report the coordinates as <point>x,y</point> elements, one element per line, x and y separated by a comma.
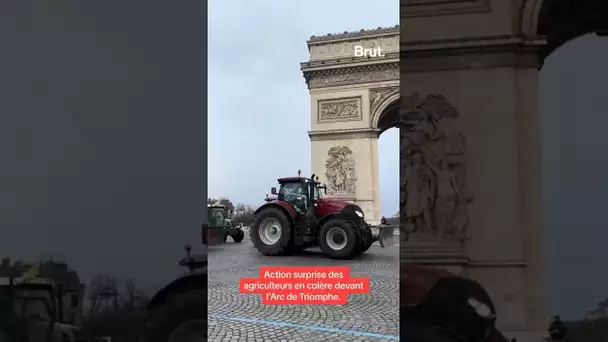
<point>242,317</point>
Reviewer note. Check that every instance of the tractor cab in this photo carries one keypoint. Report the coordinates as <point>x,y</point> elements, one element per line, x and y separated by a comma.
<point>34,308</point>
<point>302,193</point>
<point>213,232</point>
<point>220,226</point>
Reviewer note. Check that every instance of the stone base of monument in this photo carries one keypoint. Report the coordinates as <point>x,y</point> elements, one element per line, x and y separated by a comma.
<point>431,250</point>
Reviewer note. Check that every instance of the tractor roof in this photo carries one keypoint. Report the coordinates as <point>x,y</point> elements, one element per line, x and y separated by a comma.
<point>291,179</point>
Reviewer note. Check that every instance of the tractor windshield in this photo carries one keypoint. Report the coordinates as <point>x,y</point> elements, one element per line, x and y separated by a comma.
<point>216,217</point>
<point>295,193</point>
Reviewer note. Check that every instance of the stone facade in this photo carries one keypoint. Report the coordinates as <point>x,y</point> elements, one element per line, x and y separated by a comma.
<point>484,56</point>
<point>348,96</point>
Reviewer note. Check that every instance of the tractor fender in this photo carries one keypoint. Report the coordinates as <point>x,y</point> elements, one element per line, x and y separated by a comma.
<point>191,281</point>
<point>324,219</point>
<point>281,205</point>
<point>347,214</point>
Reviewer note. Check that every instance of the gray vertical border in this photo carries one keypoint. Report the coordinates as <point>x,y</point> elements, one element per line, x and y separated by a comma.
<point>103,134</point>
<point>205,127</point>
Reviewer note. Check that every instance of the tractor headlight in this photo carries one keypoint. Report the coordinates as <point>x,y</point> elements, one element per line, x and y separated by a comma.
<point>359,213</point>
<point>480,308</point>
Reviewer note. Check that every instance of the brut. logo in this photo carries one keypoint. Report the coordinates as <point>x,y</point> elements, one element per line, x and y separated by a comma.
<point>360,51</point>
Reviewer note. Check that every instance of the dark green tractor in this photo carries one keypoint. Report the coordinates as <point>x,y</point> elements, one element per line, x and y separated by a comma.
<point>220,226</point>
<point>32,310</point>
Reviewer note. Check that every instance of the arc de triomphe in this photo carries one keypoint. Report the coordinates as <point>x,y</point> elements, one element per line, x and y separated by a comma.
<point>351,98</point>
<point>469,130</point>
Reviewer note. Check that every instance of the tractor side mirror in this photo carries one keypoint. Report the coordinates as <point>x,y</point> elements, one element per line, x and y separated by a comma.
<point>324,188</point>
<point>273,191</point>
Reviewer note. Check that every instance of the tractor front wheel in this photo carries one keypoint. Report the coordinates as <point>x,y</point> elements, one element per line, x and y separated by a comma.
<point>238,237</point>
<point>182,318</point>
<point>364,246</point>
<point>338,239</point>
<point>270,232</point>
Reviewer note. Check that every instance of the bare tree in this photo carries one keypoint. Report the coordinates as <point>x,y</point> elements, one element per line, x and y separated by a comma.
<point>102,289</point>
<point>131,296</point>
<point>243,214</point>
<point>117,309</point>
<point>223,201</point>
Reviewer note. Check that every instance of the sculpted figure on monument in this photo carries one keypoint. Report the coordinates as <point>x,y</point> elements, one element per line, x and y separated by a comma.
<point>340,171</point>
<point>420,185</point>
<point>428,142</point>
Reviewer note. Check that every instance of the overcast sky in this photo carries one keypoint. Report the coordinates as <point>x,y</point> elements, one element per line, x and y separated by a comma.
<point>259,114</point>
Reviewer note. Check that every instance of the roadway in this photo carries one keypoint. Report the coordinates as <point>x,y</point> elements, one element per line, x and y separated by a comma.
<point>242,317</point>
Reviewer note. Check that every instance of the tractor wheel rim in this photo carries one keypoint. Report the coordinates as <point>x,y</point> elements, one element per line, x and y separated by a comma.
<point>336,238</point>
<point>190,331</point>
<point>270,231</point>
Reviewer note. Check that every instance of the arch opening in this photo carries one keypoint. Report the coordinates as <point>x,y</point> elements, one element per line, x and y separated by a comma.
<point>571,108</point>
<point>389,161</point>
<point>561,21</point>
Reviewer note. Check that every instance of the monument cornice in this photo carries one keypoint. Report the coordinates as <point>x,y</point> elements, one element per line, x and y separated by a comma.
<point>480,42</point>
<point>338,134</point>
<point>346,35</point>
<point>356,74</point>
<point>484,52</point>
<point>346,62</point>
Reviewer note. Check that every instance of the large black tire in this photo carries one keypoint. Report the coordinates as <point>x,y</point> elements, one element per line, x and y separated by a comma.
<point>225,237</point>
<point>352,239</point>
<point>239,236</point>
<point>180,308</point>
<point>282,246</point>
<point>364,246</point>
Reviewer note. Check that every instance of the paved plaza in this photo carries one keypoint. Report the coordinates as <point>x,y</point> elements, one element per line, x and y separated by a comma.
<point>242,317</point>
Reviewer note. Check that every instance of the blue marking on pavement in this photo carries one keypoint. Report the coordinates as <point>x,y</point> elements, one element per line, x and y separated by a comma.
<point>306,326</point>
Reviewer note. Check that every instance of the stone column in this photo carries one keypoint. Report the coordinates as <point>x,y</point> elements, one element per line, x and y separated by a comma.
<point>344,149</point>
<point>495,97</point>
<point>359,150</point>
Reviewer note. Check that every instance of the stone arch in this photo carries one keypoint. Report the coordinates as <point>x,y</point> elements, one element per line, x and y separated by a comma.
<point>560,21</point>
<point>485,56</point>
<point>386,100</point>
<point>529,17</point>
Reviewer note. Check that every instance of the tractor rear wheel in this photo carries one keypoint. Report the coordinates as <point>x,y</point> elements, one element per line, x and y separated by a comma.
<point>182,318</point>
<point>238,237</point>
<point>270,232</point>
<point>338,239</point>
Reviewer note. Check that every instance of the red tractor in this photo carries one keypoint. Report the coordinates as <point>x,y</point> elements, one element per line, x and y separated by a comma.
<point>299,217</point>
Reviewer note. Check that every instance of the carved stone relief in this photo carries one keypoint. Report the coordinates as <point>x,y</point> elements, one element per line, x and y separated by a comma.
<point>374,73</point>
<point>434,196</point>
<point>346,109</point>
<point>377,96</point>
<point>340,171</point>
